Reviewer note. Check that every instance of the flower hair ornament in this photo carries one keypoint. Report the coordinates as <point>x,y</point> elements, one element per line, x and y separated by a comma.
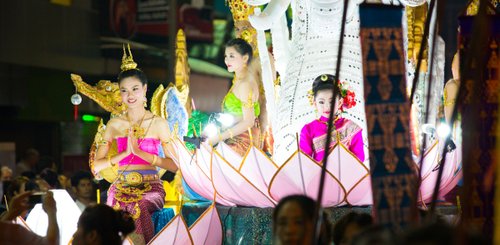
<point>346,94</point>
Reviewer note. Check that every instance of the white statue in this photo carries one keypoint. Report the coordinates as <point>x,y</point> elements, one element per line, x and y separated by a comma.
<point>312,51</point>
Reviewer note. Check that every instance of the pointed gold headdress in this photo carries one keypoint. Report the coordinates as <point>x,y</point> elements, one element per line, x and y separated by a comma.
<point>240,9</point>
<point>128,62</point>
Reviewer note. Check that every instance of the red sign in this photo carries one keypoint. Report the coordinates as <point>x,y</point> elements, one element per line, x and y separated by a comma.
<point>132,18</point>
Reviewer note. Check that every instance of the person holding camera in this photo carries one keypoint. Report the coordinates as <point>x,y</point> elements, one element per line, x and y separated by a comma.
<point>11,233</point>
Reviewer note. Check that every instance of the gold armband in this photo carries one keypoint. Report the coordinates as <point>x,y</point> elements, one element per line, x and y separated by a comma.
<point>110,162</point>
<point>154,160</point>
<point>249,103</point>
<point>103,142</point>
<point>449,103</point>
<point>166,142</point>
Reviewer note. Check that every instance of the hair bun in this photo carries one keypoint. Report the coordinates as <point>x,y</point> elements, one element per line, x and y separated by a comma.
<point>324,81</point>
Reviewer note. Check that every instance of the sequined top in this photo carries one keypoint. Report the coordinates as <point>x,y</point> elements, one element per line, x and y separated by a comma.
<point>234,105</point>
<point>149,145</point>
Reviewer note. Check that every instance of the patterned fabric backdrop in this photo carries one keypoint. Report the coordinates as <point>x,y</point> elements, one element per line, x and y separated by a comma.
<point>387,114</point>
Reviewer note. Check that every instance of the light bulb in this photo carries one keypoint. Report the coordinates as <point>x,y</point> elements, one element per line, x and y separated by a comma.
<point>443,130</point>
<point>226,120</point>
<point>76,99</point>
<point>210,130</point>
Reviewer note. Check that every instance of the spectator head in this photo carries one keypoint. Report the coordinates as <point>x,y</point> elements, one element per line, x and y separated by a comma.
<point>437,233</point>
<point>293,221</point>
<point>46,162</point>
<point>29,174</point>
<point>51,178</point>
<point>350,225</point>
<point>101,224</point>
<point>31,157</point>
<point>5,174</point>
<point>82,185</point>
<point>374,235</point>
<point>20,185</point>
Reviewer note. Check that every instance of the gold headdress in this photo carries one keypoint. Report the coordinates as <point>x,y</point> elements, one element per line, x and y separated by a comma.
<point>240,9</point>
<point>128,62</point>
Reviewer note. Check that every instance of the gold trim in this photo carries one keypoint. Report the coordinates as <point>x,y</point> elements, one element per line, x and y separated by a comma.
<point>354,186</point>
<point>225,161</point>
<point>179,215</point>
<point>427,152</point>
<point>202,171</point>
<point>307,156</point>
<point>212,206</point>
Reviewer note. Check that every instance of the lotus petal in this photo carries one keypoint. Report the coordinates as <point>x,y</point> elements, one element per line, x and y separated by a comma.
<point>352,174</point>
<point>452,172</point>
<point>175,232</point>
<point>231,185</point>
<point>300,175</point>
<point>259,168</point>
<point>230,155</point>
<point>207,229</point>
<point>193,174</point>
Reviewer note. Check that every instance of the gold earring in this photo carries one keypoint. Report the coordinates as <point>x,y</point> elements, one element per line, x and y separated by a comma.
<point>145,101</point>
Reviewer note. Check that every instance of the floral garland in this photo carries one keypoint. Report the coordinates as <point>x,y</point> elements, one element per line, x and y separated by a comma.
<point>348,96</point>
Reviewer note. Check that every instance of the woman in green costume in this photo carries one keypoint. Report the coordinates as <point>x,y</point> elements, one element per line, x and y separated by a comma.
<point>242,100</point>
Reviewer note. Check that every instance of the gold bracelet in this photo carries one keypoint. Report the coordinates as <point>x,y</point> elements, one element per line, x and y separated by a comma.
<point>449,102</point>
<point>154,160</point>
<point>110,162</point>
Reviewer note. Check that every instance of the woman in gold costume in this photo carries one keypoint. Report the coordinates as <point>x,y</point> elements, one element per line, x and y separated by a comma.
<point>139,135</point>
<point>242,100</point>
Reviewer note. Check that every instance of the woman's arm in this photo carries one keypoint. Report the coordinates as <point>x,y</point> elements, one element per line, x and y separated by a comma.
<point>249,95</point>
<point>102,160</point>
<point>357,146</point>
<point>164,135</point>
<point>450,95</point>
<point>306,143</point>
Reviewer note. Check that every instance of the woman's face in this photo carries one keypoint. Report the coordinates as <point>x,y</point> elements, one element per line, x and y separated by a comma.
<point>322,102</point>
<point>234,60</point>
<point>132,92</point>
<point>292,227</point>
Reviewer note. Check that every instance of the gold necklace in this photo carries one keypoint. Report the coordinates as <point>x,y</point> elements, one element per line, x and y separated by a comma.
<point>326,123</point>
<point>136,129</point>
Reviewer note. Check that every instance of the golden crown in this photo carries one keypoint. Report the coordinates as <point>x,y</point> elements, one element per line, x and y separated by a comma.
<point>128,62</point>
<point>240,9</point>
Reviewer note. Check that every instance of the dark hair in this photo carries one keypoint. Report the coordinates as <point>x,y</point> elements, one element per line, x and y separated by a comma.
<point>75,179</point>
<point>308,207</point>
<point>51,178</point>
<point>362,220</point>
<point>242,47</point>
<point>133,73</point>
<point>433,233</point>
<point>29,174</point>
<point>111,226</point>
<point>323,82</point>
<point>15,185</point>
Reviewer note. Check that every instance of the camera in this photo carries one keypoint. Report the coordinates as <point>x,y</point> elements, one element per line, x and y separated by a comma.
<point>35,198</point>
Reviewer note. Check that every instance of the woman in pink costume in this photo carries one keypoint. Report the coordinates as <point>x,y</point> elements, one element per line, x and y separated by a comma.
<point>139,135</point>
<point>313,134</point>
